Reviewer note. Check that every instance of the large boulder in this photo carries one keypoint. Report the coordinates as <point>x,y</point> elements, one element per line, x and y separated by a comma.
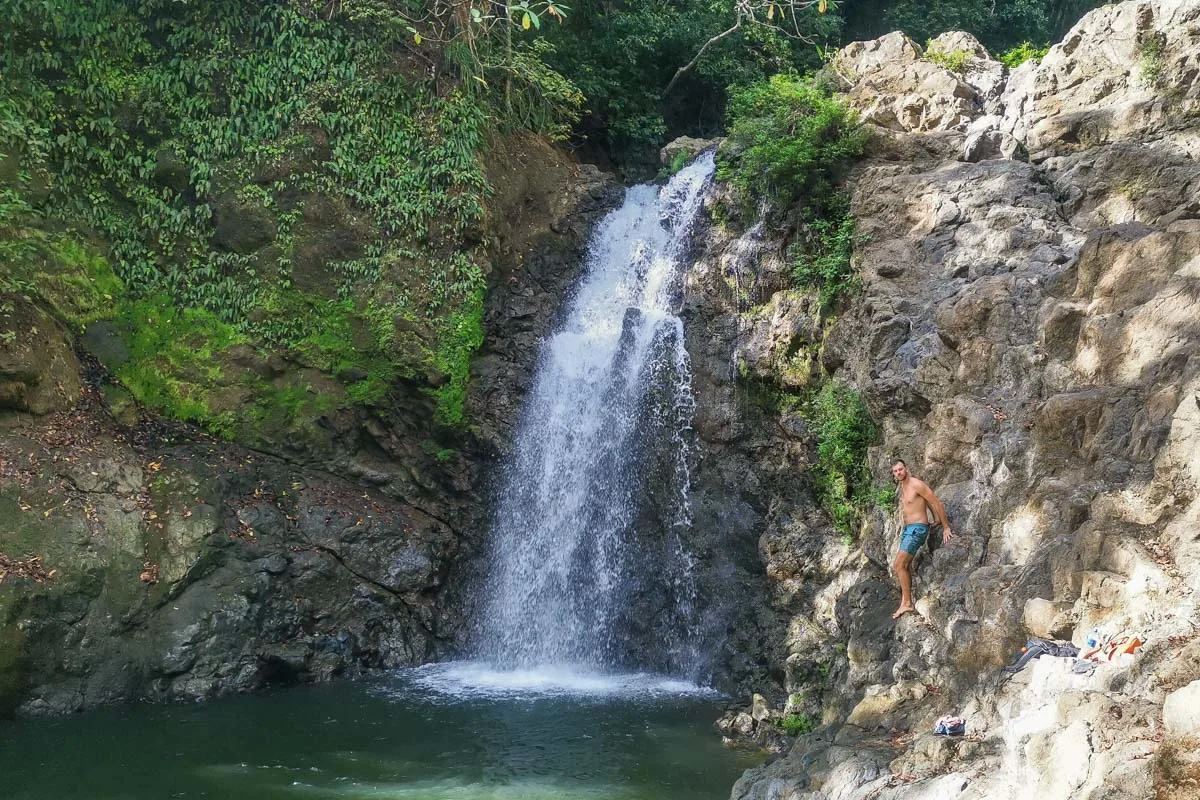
<point>242,227</point>
<point>1127,69</point>
<point>893,86</point>
<point>983,73</point>
<point>1181,712</point>
<point>686,146</point>
<point>39,372</point>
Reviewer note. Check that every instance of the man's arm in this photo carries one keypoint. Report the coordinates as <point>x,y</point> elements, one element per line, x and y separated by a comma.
<point>938,509</point>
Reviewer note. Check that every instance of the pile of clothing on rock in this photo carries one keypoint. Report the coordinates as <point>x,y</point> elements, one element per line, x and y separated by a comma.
<point>1100,649</point>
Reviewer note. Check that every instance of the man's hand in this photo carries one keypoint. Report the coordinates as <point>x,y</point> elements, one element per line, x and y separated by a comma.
<point>947,534</point>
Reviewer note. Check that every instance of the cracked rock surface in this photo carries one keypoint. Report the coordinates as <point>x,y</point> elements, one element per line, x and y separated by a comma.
<point>1027,337</point>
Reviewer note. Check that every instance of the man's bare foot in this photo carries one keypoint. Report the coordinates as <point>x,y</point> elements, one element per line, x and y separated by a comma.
<point>902,610</point>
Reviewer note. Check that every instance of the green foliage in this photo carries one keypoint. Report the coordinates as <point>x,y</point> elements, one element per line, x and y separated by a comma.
<point>842,427</point>
<point>1152,60</point>
<point>789,139</point>
<point>439,453</point>
<point>954,60</point>
<point>230,88</point>
<point>536,97</point>
<point>146,115</point>
<point>462,336</point>
<point>678,162</point>
<point>172,359</point>
<point>796,724</point>
<point>821,260</point>
<point>623,56</point>
<point>1025,51</point>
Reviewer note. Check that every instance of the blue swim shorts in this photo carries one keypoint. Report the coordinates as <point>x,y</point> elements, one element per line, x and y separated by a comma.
<point>913,537</point>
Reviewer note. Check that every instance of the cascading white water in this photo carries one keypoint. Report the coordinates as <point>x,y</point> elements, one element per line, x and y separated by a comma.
<point>605,421</point>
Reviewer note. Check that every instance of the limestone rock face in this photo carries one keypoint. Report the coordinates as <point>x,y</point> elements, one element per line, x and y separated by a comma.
<point>1181,712</point>
<point>983,73</point>
<point>1124,71</point>
<point>895,88</point>
<point>781,339</point>
<point>1027,339</point>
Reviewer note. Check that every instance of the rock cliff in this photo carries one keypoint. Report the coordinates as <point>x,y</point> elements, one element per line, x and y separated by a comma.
<point>142,559</point>
<point>1027,338</point>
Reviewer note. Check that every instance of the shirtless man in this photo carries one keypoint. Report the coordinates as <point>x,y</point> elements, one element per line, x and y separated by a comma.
<point>916,499</point>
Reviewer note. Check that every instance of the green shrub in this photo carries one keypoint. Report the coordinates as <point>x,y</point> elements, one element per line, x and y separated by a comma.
<point>789,139</point>
<point>1152,60</point>
<point>954,60</point>
<point>1023,52</point>
<point>821,257</point>
<point>842,427</point>
<point>461,337</point>
<point>172,362</point>
<point>796,724</point>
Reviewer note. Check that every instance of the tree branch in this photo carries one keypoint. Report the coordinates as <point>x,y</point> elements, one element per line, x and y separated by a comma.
<point>686,67</point>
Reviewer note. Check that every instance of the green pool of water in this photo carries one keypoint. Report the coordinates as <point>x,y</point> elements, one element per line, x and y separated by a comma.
<point>415,736</point>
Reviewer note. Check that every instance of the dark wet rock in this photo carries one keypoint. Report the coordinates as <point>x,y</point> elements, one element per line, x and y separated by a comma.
<point>171,170</point>
<point>193,580</point>
<point>242,227</point>
<point>103,340</point>
<point>39,372</point>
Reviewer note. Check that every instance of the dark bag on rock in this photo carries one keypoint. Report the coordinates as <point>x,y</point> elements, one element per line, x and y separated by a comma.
<point>1035,648</point>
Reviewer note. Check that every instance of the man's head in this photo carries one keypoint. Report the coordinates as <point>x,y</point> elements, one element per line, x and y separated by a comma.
<point>899,470</point>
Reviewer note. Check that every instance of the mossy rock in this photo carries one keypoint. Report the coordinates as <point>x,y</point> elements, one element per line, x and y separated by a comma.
<point>121,405</point>
<point>39,372</point>
<point>68,273</point>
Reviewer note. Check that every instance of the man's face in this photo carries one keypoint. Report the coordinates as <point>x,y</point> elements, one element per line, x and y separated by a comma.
<point>899,472</point>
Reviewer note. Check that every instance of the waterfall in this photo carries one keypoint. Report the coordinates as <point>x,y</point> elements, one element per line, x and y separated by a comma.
<point>587,566</point>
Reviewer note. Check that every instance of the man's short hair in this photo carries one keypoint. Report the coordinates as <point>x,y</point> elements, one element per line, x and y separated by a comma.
<point>899,461</point>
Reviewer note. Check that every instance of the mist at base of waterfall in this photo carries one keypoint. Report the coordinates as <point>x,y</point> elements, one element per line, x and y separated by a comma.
<point>463,680</point>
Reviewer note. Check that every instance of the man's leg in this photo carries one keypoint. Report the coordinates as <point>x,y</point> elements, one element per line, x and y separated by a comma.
<point>903,561</point>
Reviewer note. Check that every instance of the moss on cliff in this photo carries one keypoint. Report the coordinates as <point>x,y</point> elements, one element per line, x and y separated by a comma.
<point>259,188</point>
